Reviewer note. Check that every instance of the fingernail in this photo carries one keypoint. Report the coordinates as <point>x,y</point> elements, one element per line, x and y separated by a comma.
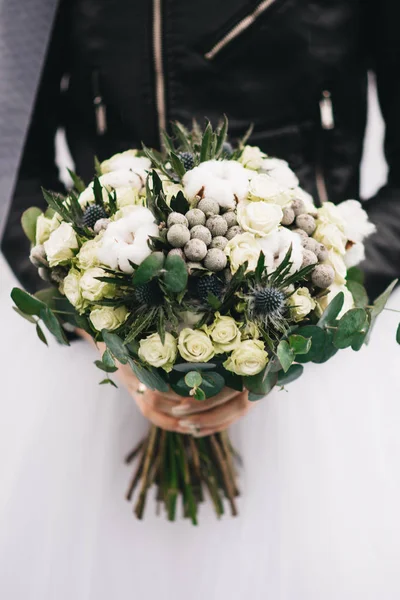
<point>181,409</point>
<point>188,424</point>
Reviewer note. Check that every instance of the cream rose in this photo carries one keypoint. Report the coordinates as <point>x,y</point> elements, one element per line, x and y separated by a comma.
<point>337,263</point>
<point>242,248</point>
<point>259,218</point>
<point>329,213</point>
<point>301,304</point>
<point>195,345</point>
<point>252,157</point>
<point>72,290</point>
<point>91,288</point>
<point>334,290</point>
<point>331,236</point>
<point>265,187</point>
<point>108,317</point>
<point>61,245</point>
<point>248,359</point>
<point>250,331</point>
<point>87,255</point>
<point>157,354</point>
<point>224,333</point>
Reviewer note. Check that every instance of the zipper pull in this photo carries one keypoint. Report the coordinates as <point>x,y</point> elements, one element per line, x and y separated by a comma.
<point>101,116</point>
<point>326,110</point>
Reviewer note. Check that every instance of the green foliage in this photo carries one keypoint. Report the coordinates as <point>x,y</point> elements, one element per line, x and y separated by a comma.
<point>285,354</point>
<point>261,384</point>
<point>175,276</point>
<point>150,377</point>
<point>352,323</point>
<point>398,334</point>
<point>115,346</point>
<point>29,305</point>
<point>40,334</point>
<point>358,292</point>
<point>332,311</point>
<point>186,367</point>
<point>355,274</point>
<point>77,181</point>
<point>299,344</point>
<point>149,268</point>
<point>193,379</point>
<point>108,381</point>
<point>318,339</point>
<point>28,222</point>
<point>293,373</point>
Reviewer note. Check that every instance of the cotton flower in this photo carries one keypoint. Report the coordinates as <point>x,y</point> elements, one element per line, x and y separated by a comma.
<point>225,181</point>
<point>330,213</point>
<point>276,245</point>
<point>128,160</point>
<point>354,255</point>
<point>280,171</point>
<point>127,239</point>
<point>356,225</point>
<point>127,185</point>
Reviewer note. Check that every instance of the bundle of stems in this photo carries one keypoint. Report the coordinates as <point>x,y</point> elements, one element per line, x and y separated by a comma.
<point>182,467</point>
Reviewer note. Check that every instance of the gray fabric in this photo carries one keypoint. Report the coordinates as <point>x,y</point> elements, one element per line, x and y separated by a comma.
<point>25,27</point>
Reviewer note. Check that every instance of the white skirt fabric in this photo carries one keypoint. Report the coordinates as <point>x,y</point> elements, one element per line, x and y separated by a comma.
<point>319,512</point>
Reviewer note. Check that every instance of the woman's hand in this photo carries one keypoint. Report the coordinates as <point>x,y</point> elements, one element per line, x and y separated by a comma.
<point>176,413</point>
<point>186,415</point>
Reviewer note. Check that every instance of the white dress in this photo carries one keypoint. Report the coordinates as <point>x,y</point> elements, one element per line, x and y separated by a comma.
<point>319,512</point>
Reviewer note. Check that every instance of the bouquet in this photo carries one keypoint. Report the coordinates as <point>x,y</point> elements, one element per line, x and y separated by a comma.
<point>201,267</point>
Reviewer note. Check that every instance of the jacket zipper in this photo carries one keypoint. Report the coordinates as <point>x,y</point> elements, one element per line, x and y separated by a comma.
<point>239,28</point>
<point>159,67</point>
<point>99,106</point>
<point>327,123</point>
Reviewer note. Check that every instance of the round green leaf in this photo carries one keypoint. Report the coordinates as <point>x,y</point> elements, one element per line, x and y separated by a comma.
<point>176,275</point>
<point>318,341</point>
<point>149,268</point>
<point>28,222</point>
<point>26,303</point>
<point>358,292</point>
<point>212,383</point>
<point>331,312</point>
<point>261,384</point>
<point>299,344</point>
<point>193,379</point>
<point>352,322</point>
<point>292,374</point>
<point>327,350</point>
<point>285,354</point>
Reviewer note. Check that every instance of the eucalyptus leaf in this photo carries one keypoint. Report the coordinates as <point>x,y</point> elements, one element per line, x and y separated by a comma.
<point>40,334</point>
<point>28,222</point>
<point>24,315</point>
<point>185,367</point>
<point>116,346</point>
<point>193,379</point>
<point>108,381</point>
<point>332,311</point>
<point>212,383</point>
<point>299,344</point>
<point>285,354</point>
<point>150,377</point>
<point>318,343</point>
<point>355,274</point>
<point>398,334</point>
<point>353,322</point>
<point>149,268</point>
<point>53,325</point>
<point>358,292</point>
<point>293,373</point>
<point>381,301</point>
<point>260,384</point>
<point>103,367</point>
<point>327,351</point>
<point>199,394</point>
<point>176,275</point>
<point>27,303</point>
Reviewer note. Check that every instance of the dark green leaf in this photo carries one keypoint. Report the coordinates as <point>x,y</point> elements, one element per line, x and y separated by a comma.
<point>355,274</point>
<point>213,301</point>
<point>97,166</point>
<point>150,377</point>
<point>24,315</point>
<point>177,165</point>
<point>40,334</point>
<point>318,343</point>
<point>327,351</point>
<point>110,381</point>
<point>78,182</point>
<point>49,296</point>
<point>193,379</point>
<point>221,137</point>
<point>398,334</point>
<point>358,292</point>
<point>176,275</point>
<point>149,268</point>
<point>358,340</point>
<point>299,344</point>
<point>98,192</point>
<point>206,143</point>
<point>331,312</point>
<point>106,368</point>
<point>181,388</point>
<point>233,381</point>
<point>179,203</point>
<point>212,383</point>
<point>260,384</point>
<point>185,367</point>
<point>293,373</point>
<point>108,359</point>
<point>26,303</point>
<point>116,346</point>
<point>28,222</point>
<point>381,301</point>
<point>199,395</point>
<point>353,322</point>
<point>285,354</point>
<point>53,325</point>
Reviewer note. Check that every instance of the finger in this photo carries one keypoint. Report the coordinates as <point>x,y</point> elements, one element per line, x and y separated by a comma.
<point>189,406</point>
<point>210,431</point>
<point>157,418</point>
<point>159,402</point>
<point>215,417</point>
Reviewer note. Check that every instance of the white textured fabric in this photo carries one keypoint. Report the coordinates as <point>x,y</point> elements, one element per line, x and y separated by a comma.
<point>319,515</point>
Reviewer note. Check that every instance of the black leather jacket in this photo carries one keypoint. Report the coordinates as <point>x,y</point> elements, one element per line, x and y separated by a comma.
<point>117,71</point>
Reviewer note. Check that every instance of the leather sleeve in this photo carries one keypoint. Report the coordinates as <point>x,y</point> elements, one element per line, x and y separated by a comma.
<point>37,167</point>
<point>382,263</point>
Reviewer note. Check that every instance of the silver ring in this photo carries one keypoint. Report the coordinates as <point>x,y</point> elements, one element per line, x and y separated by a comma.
<point>141,388</point>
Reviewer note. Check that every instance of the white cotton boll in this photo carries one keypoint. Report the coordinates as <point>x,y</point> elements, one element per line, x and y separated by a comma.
<point>124,178</point>
<point>127,161</point>
<point>213,176</point>
<point>281,172</point>
<point>354,255</point>
<point>288,238</point>
<point>217,190</point>
<point>356,224</point>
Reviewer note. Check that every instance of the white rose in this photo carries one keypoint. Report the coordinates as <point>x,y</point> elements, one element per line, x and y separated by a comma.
<point>265,187</point>
<point>157,354</point>
<point>354,255</point>
<point>248,359</point>
<point>224,333</point>
<point>61,245</point>
<point>91,288</point>
<point>250,331</point>
<point>195,345</point>
<point>329,213</point>
<point>334,290</point>
<point>43,229</point>
<point>336,261</point>
<point>72,290</point>
<point>87,255</point>
<point>357,226</point>
<point>127,184</point>
<point>259,218</point>
<point>252,157</point>
<point>108,317</point>
<point>126,240</point>
<point>301,304</point>
<point>330,236</point>
<point>242,248</point>
<point>171,189</point>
